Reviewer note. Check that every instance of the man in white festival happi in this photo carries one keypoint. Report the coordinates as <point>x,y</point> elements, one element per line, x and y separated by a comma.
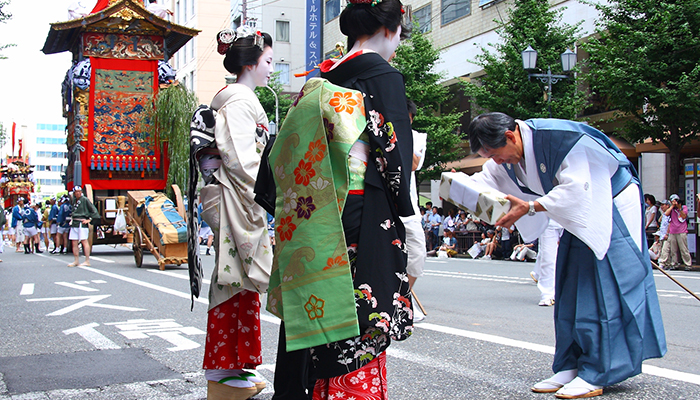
<point>607,317</point>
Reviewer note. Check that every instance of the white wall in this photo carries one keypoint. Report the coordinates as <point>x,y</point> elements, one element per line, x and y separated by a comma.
<point>653,168</point>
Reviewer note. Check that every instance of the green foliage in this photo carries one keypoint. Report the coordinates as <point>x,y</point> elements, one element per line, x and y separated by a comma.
<point>4,16</point>
<point>506,87</point>
<point>268,100</point>
<point>415,59</point>
<point>174,106</point>
<point>646,64</point>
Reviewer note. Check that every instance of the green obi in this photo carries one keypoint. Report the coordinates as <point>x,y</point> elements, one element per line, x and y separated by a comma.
<point>311,271</point>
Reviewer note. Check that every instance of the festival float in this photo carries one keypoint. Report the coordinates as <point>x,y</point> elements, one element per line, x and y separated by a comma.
<point>16,180</point>
<point>119,65</point>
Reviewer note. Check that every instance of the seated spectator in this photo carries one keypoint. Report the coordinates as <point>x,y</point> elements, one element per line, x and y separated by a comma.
<point>655,249</point>
<point>478,247</point>
<point>525,251</point>
<point>449,245</point>
<point>493,247</point>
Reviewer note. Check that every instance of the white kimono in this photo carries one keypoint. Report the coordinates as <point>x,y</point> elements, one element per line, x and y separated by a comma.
<point>243,249</point>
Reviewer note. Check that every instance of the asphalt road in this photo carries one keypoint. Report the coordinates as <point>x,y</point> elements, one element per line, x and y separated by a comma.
<point>114,331</point>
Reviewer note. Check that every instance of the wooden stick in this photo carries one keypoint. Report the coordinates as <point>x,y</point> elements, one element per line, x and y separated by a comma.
<point>421,305</point>
<point>673,279</point>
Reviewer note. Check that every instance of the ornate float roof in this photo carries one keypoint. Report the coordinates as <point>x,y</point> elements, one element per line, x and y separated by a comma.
<point>121,16</point>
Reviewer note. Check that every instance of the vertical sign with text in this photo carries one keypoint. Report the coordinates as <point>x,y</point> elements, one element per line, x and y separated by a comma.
<point>313,36</point>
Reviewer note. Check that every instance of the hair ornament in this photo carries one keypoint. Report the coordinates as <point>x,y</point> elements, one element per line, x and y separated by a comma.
<point>370,2</point>
<point>227,37</point>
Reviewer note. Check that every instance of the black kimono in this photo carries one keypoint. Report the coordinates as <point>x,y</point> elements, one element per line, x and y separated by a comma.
<point>371,221</point>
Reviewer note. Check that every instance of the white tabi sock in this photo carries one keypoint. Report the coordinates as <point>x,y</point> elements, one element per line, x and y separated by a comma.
<point>216,375</point>
<point>557,380</point>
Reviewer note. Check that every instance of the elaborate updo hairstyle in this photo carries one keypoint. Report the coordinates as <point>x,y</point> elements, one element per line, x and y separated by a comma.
<point>362,17</point>
<point>241,47</point>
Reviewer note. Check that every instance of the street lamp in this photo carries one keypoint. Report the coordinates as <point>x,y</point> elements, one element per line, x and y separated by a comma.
<point>568,60</point>
<point>273,124</point>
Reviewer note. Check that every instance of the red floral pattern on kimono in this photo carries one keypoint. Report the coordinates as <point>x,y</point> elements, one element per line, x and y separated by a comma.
<point>366,383</point>
<point>233,333</point>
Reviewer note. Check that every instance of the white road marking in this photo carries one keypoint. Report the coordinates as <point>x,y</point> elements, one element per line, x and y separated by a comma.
<point>87,301</point>
<point>27,289</point>
<point>647,369</point>
<point>676,276</point>
<point>671,374</point>
<point>79,287</point>
<point>102,259</point>
<point>177,275</point>
<point>95,338</point>
<point>163,289</point>
<point>486,337</point>
<point>201,299</point>
<point>480,277</point>
<point>82,282</point>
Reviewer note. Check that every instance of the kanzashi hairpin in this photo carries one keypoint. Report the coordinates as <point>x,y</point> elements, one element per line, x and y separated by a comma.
<point>227,37</point>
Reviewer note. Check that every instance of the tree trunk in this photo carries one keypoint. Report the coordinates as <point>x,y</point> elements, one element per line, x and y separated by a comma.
<point>674,148</point>
<point>674,170</point>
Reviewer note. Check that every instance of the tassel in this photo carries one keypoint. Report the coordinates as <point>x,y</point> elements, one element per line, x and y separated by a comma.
<point>92,162</point>
<point>118,164</point>
<point>305,73</point>
<point>131,163</point>
<point>77,173</point>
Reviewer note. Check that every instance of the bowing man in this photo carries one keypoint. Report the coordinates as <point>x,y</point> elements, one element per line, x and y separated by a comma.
<point>606,312</point>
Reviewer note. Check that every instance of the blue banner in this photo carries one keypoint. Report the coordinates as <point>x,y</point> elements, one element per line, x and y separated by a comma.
<point>313,36</point>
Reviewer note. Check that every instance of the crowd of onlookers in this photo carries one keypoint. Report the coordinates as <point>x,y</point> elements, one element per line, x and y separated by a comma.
<point>666,224</point>
<point>459,232</point>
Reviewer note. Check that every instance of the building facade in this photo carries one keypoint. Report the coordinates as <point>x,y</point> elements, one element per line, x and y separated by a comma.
<point>200,67</point>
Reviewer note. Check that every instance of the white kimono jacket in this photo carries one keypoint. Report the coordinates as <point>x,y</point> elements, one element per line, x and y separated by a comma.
<point>586,213</point>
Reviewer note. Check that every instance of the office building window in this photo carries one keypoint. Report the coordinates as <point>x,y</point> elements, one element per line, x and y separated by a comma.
<point>178,12</point>
<point>332,9</point>
<point>50,127</point>
<point>453,9</point>
<point>52,154</point>
<point>47,140</point>
<point>283,69</point>
<point>282,31</point>
<point>50,182</point>
<point>423,15</point>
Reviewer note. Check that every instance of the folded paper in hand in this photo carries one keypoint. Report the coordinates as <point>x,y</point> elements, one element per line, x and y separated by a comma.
<point>484,202</point>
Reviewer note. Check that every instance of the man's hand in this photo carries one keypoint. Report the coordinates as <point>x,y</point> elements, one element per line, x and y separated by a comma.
<point>518,208</point>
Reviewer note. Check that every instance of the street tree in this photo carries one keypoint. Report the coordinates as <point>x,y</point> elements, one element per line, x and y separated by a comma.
<point>4,17</point>
<point>646,64</point>
<point>415,59</point>
<point>267,99</point>
<point>505,87</point>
